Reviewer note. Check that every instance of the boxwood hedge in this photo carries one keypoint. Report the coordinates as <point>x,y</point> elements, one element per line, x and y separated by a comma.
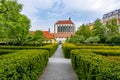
<point>50,47</point>
<point>68,47</point>
<point>90,66</point>
<point>5,51</point>
<point>23,65</point>
<point>107,52</point>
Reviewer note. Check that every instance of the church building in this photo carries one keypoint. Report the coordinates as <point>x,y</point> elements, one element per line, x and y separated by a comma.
<point>63,29</point>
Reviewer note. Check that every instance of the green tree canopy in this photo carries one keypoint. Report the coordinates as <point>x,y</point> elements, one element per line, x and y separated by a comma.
<point>85,31</point>
<point>14,25</point>
<point>112,27</point>
<point>76,39</point>
<point>38,37</point>
<point>94,39</point>
<point>100,30</point>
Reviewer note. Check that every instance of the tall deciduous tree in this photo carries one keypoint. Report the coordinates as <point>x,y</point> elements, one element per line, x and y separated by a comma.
<point>3,6</point>
<point>14,24</point>
<point>19,30</point>
<point>85,31</point>
<point>97,26</point>
<point>99,30</point>
<point>112,27</point>
<point>76,39</point>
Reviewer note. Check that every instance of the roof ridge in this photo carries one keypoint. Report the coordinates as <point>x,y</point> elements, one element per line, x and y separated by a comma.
<point>64,22</point>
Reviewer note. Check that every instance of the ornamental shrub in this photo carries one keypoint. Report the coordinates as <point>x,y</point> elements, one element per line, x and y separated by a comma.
<point>68,47</point>
<point>23,65</point>
<point>114,40</point>
<point>90,66</point>
<point>50,47</point>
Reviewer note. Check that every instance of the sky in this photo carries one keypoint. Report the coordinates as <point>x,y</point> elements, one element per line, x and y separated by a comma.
<point>45,13</point>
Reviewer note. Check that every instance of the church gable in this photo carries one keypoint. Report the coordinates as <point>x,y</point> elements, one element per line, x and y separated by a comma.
<point>63,29</point>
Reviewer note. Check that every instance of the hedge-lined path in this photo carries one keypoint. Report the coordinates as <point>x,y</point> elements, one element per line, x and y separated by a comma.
<point>59,68</point>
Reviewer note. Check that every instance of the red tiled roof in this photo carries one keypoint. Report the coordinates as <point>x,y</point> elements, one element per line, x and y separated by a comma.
<point>62,35</point>
<point>64,22</point>
<point>48,35</point>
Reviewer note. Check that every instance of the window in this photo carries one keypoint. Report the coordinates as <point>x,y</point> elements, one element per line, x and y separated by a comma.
<point>58,29</point>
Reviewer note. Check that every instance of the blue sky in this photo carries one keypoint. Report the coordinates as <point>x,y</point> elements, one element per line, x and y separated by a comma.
<point>44,13</point>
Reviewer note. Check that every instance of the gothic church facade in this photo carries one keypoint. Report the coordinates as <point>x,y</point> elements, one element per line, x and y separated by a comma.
<point>63,29</point>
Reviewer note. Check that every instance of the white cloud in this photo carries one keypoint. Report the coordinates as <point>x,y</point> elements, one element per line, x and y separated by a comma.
<point>54,10</point>
<point>91,5</point>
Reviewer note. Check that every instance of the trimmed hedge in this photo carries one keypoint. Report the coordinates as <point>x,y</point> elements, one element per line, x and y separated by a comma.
<point>90,66</point>
<point>107,52</point>
<point>23,65</point>
<point>51,48</point>
<point>114,58</point>
<point>19,47</point>
<point>68,47</point>
<point>5,51</point>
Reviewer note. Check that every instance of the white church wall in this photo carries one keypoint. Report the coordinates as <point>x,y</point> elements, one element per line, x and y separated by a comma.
<point>60,40</point>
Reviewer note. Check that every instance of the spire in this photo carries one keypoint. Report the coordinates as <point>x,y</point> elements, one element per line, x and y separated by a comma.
<point>69,19</point>
<point>49,29</point>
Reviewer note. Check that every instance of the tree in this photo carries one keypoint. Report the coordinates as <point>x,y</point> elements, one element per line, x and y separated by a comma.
<point>85,31</point>
<point>114,39</point>
<point>76,39</point>
<point>112,27</point>
<point>94,39</point>
<point>97,23</point>
<point>97,26</point>
<point>14,25</point>
<point>19,30</point>
<point>100,30</point>
<point>38,37</point>
<point>3,6</point>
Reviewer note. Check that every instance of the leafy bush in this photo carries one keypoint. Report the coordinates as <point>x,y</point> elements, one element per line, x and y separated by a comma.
<point>94,39</point>
<point>76,39</point>
<point>90,66</point>
<point>23,65</point>
<point>114,40</point>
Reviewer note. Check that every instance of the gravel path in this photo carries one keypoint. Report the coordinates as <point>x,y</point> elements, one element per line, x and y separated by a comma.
<point>59,68</point>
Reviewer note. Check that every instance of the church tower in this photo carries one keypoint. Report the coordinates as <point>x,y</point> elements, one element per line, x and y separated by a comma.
<point>64,26</point>
<point>63,29</point>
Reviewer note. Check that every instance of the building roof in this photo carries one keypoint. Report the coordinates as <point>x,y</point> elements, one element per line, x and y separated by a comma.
<point>115,12</point>
<point>62,35</point>
<point>64,22</point>
<point>48,35</point>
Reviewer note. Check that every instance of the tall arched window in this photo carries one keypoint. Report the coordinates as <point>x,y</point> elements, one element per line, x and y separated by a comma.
<point>58,29</point>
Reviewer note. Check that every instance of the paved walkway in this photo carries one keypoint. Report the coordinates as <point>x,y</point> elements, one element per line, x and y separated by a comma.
<point>58,68</point>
